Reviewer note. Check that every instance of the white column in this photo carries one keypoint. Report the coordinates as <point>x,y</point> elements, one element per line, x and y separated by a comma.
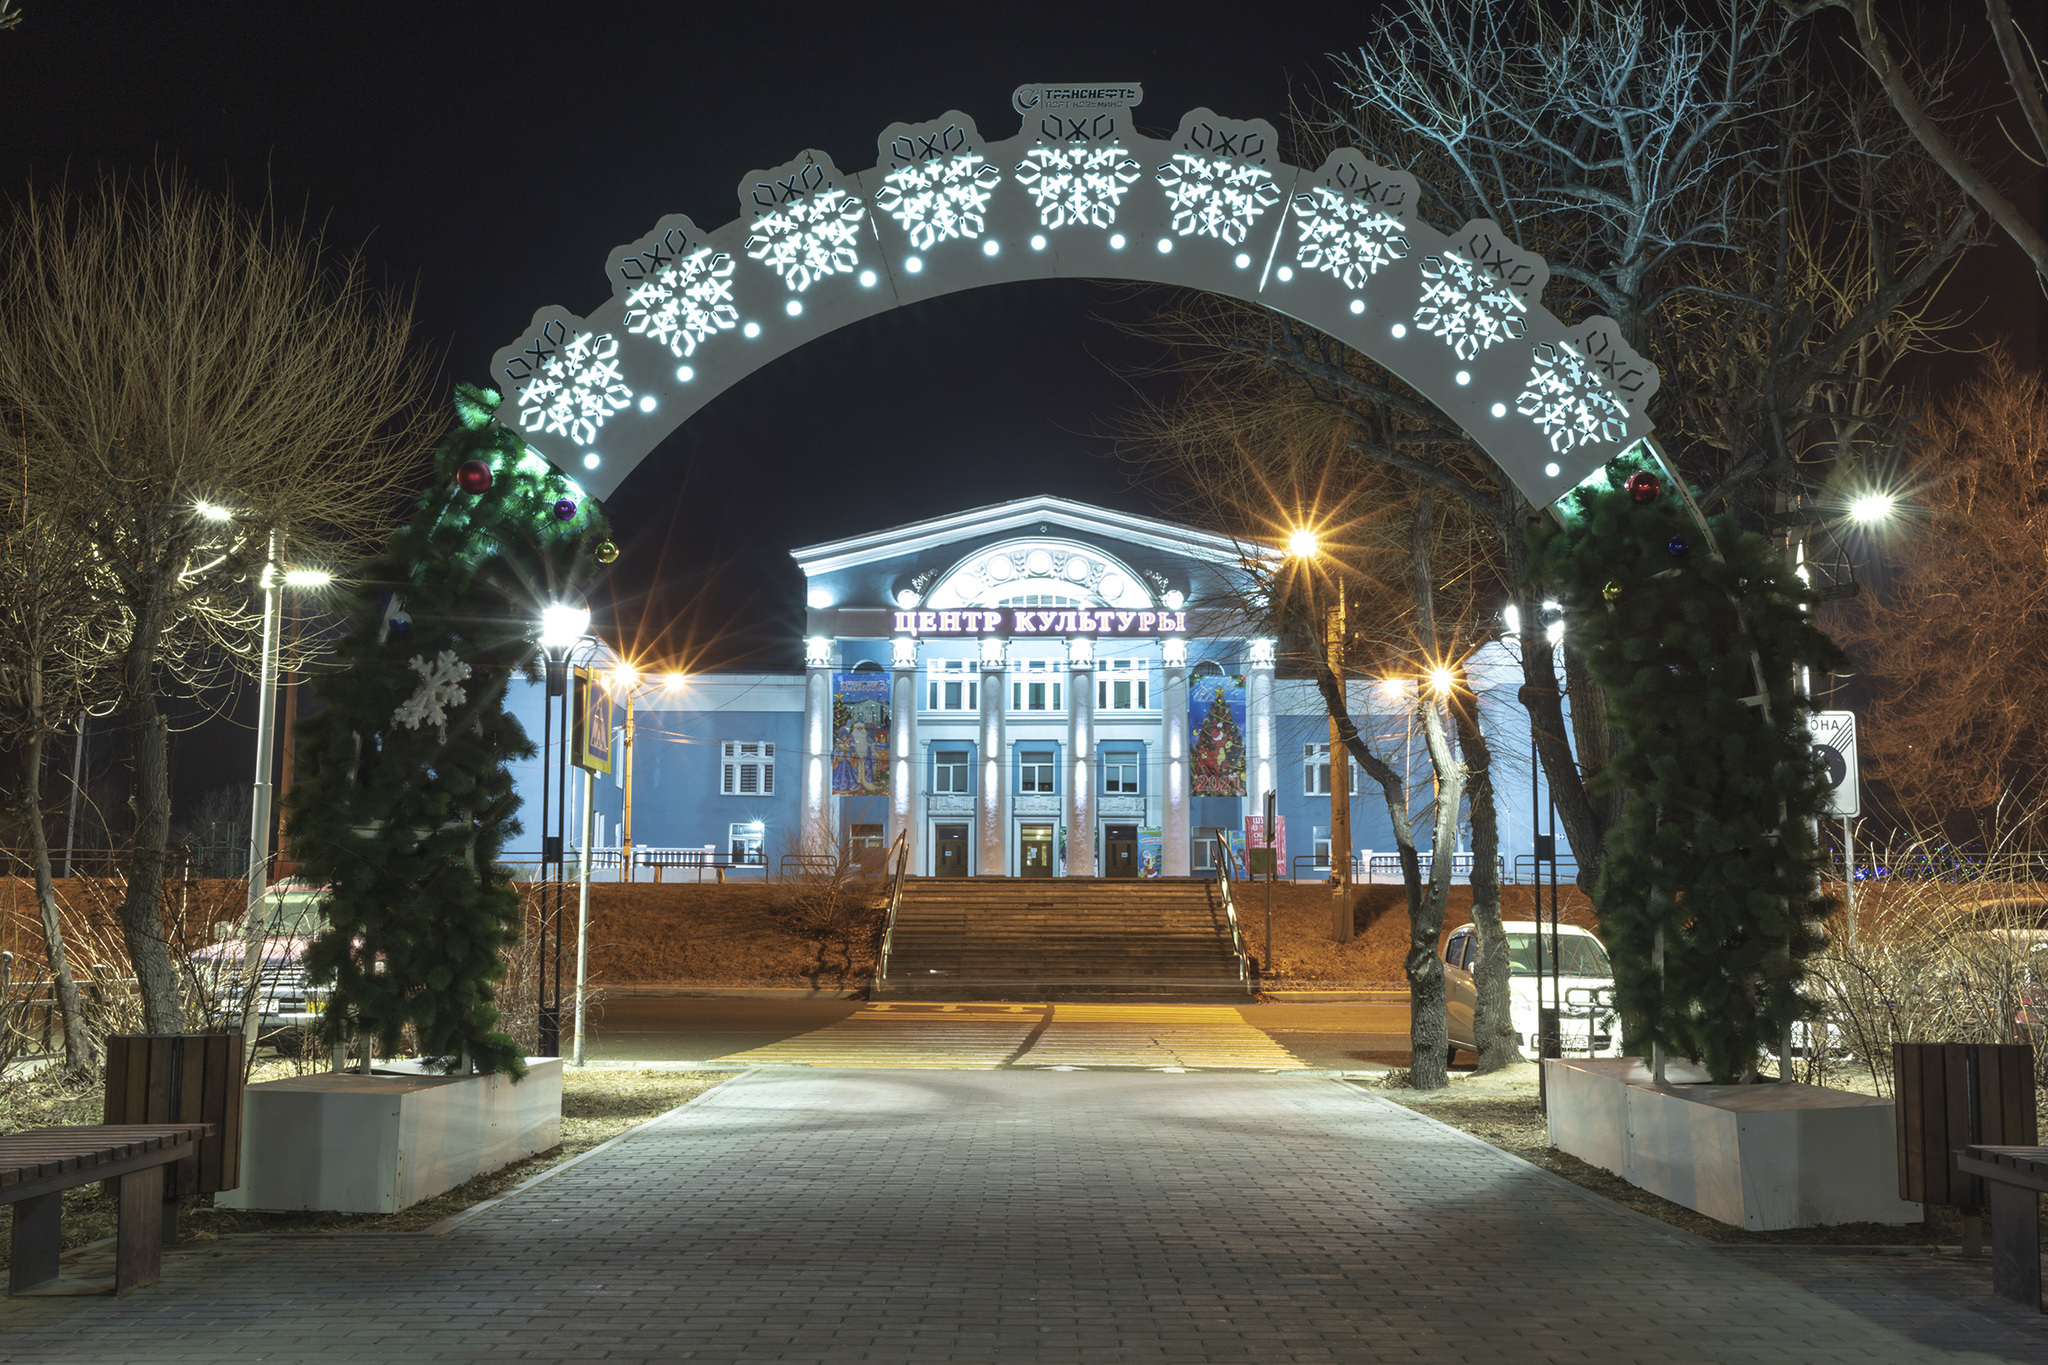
<point>1258,705</point>
<point>816,836</point>
<point>1175,828</point>
<point>1080,775</point>
<point>903,764</point>
<point>992,792</point>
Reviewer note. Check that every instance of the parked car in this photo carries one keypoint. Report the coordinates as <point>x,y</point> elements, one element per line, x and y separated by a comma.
<point>287,1007</point>
<point>1588,1025</point>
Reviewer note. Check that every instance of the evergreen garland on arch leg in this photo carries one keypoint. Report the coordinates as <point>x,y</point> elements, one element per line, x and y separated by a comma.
<point>404,800</point>
<point>1716,843</point>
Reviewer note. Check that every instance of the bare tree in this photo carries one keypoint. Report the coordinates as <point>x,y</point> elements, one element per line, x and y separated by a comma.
<point>60,632</point>
<point>1773,247</point>
<point>1918,101</point>
<point>1958,648</point>
<point>222,378</point>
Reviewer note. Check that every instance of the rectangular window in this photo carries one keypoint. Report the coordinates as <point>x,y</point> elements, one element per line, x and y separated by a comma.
<point>1315,771</point>
<point>748,769</point>
<point>1119,773</point>
<point>949,773</point>
<point>1319,845</point>
<point>1123,686</point>
<point>952,687</point>
<point>1034,772</point>
<point>748,841</point>
<point>1205,849</point>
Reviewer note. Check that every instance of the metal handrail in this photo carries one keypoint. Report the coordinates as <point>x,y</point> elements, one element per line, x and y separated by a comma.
<point>1230,910</point>
<point>901,848</point>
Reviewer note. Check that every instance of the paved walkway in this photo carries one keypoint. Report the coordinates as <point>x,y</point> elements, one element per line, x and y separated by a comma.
<point>1032,1215</point>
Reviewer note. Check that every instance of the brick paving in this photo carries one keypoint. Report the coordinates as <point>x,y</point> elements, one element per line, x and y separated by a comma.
<point>1027,1215</point>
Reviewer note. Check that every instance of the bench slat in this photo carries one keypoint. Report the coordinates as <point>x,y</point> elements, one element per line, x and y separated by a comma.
<point>53,1159</point>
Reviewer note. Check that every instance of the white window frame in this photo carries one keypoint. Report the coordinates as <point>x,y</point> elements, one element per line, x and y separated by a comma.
<point>956,673</point>
<point>1315,771</point>
<point>941,770</point>
<point>742,834</point>
<point>1040,783</point>
<point>747,768</point>
<point>1121,760</point>
<point>1133,675</point>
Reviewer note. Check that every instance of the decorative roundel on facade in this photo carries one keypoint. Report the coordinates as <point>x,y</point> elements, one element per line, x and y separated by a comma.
<point>1459,316</point>
<point>1111,588</point>
<point>1077,569</point>
<point>999,568</point>
<point>1039,563</point>
<point>1061,573</point>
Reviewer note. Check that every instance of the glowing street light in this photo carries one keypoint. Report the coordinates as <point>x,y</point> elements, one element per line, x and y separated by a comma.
<point>1301,544</point>
<point>307,578</point>
<point>562,625</point>
<point>212,511</point>
<point>1441,680</point>
<point>1872,508</point>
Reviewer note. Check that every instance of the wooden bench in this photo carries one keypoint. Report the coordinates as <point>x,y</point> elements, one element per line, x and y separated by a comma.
<point>37,1167</point>
<point>2014,1178</point>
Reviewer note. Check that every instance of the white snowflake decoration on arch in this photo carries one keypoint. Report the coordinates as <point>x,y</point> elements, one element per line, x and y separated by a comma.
<point>1346,237</point>
<point>1568,401</point>
<point>1077,186</point>
<point>809,237</point>
<point>1467,306</point>
<point>687,303</point>
<point>940,200</point>
<point>1216,197</point>
<point>576,389</point>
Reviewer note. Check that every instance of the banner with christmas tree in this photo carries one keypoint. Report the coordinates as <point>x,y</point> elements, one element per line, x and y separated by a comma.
<point>1216,715</point>
<point>860,733</point>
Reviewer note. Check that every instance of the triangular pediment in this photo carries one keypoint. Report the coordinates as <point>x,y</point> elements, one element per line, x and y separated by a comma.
<point>1055,514</point>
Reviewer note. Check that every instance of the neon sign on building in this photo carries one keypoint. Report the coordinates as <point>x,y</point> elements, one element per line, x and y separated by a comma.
<point>1020,621</point>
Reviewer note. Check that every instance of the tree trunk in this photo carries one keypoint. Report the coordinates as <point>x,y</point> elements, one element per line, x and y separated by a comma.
<point>163,1005</point>
<point>1429,1037</point>
<point>1493,1022</point>
<point>77,1046</point>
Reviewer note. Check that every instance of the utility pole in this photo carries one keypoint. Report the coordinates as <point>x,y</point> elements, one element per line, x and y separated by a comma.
<point>626,777</point>
<point>1340,783</point>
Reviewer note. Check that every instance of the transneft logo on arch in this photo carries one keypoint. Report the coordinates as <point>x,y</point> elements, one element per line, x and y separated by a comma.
<point>1017,621</point>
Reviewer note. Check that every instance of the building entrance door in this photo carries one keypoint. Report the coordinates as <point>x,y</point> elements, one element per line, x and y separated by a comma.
<point>949,851</point>
<point>1120,850</point>
<point>1034,851</point>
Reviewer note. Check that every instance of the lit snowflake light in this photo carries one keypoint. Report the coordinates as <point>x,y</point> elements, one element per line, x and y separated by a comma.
<point>687,303</point>
<point>575,390</point>
<point>1077,186</point>
<point>809,237</point>
<point>1569,402</point>
<point>938,201</point>
<point>1216,197</point>
<point>1345,236</point>
<point>1468,307</point>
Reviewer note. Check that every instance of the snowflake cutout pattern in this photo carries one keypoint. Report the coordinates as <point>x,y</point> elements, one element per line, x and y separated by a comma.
<point>687,303</point>
<point>1344,236</point>
<point>1077,186</point>
<point>809,237</point>
<point>1569,402</point>
<point>1467,307</point>
<point>939,201</point>
<point>439,691</point>
<point>1219,197</point>
<point>576,389</point>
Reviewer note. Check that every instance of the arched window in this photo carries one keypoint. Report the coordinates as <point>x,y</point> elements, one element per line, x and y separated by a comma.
<point>867,666</point>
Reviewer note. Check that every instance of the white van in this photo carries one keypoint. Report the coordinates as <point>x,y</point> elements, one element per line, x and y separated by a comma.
<point>1588,1025</point>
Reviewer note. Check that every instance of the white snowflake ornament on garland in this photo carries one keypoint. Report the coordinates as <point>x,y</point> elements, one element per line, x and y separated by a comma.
<point>440,689</point>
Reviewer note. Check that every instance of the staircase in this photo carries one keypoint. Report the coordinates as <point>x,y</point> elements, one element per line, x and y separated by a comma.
<point>1013,938</point>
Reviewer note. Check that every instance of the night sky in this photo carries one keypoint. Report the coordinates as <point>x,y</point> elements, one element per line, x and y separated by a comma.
<point>487,157</point>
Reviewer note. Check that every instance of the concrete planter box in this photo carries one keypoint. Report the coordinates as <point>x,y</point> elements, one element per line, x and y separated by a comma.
<point>1759,1157</point>
<point>376,1144</point>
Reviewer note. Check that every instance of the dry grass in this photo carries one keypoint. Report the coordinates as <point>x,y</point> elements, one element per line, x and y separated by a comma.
<point>597,1106</point>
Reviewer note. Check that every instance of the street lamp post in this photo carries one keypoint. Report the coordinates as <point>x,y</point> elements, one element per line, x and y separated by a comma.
<point>562,627</point>
<point>1304,545</point>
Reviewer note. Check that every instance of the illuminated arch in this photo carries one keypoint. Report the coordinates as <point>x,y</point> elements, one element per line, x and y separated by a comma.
<point>1077,192</point>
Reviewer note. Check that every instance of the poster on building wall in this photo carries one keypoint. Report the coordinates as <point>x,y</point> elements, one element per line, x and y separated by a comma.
<point>1216,718</point>
<point>1255,837</point>
<point>1240,866</point>
<point>1151,852</point>
<point>860,733</point>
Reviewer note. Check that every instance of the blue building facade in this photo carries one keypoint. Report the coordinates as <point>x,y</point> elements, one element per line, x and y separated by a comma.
<point>1038,688</point>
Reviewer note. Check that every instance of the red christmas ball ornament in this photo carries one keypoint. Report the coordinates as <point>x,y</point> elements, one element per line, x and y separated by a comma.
<point>1644,486</point>
<point>473,476</point>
